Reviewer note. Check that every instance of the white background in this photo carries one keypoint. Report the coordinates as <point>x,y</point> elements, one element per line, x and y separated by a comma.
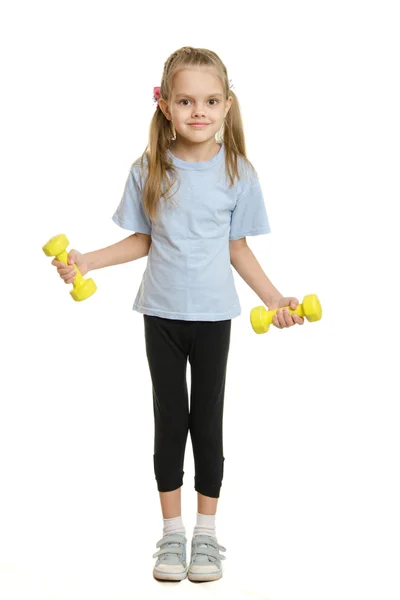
<point>310,496</point>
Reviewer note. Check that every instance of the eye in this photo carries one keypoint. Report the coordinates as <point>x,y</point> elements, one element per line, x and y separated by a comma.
<point>211,100</point>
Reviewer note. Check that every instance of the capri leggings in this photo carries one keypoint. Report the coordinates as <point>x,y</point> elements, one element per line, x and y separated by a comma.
<point>169,344</point>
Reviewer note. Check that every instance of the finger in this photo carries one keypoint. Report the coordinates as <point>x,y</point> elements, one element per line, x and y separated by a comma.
<point>70,273</point>
<point>281,319</point>
<point>287,317</point>
<point>275,321</point>
<point>299,320</point>
<point>70,278</point>
<point>65,271</point>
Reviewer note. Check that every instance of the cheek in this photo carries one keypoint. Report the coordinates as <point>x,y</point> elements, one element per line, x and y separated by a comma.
<point>179,115</point>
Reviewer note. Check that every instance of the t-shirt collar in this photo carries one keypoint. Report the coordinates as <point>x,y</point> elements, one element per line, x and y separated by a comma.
<point>197,166</point>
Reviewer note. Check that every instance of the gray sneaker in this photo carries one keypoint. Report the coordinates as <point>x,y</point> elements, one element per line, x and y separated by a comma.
<point>205,560</point>
<point>171,564</point>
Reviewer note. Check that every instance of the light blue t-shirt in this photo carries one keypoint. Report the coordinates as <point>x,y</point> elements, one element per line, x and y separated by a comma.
<point>188,274</point>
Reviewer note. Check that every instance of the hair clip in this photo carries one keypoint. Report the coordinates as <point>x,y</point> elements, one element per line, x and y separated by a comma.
<point>156,94</point>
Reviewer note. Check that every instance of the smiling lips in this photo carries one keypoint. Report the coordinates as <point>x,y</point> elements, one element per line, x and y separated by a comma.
<point>198,125</point>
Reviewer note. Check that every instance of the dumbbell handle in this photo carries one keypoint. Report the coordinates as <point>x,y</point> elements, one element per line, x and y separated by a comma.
<point>298,311</point>
<point>263,316</point>
<point>310,308</point>
<point>63,257</point>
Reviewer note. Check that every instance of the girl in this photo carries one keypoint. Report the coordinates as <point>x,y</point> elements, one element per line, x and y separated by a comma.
<point>190,199</point>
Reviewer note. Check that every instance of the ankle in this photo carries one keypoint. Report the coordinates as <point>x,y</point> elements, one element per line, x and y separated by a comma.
<point>205,525</point>
<point>174,525</point>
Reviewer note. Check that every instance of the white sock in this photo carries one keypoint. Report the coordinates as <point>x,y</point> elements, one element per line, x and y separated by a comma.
<point>205,524</point>
<point>174,525</point>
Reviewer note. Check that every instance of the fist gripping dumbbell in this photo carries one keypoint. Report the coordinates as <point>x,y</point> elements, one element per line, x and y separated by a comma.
<point>261,318</point>
<point>83,288</point>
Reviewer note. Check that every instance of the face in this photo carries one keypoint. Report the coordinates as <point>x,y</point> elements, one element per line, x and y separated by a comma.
<point>197,97</point>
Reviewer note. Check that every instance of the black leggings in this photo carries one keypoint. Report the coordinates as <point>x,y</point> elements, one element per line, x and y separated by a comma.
<point>169,343</point>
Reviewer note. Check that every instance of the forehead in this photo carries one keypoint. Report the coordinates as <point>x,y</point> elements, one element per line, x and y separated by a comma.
<point>196,81</point>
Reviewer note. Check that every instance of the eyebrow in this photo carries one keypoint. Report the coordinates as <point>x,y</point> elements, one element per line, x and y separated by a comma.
<point>188,95</point>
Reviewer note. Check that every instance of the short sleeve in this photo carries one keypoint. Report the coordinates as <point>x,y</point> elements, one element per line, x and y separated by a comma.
<point>249,217</point>
<point>130,213</point>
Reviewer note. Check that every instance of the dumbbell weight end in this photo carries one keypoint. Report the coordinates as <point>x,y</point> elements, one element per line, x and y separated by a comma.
<point>82,288</point>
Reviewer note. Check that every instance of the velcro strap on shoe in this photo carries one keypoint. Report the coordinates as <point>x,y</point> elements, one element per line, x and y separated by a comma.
<point>174,538</point>
<point>208,551</point>
<point>207,539</point>
<point>169,550</point>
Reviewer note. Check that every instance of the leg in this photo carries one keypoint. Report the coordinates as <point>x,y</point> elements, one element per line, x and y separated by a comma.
<point>166,348</point>
<point>206,505</point>
<point>171,503</point>
<point>208,359</point>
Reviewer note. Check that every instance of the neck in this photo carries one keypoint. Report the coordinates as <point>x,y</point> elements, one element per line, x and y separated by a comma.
<point>194,152</point>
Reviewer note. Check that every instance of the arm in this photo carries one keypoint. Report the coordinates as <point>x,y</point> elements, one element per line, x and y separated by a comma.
<point>135,246</point>
<point>246,264</point>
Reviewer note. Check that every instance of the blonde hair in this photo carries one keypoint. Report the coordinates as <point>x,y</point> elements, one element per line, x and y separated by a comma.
<point>159,167</point>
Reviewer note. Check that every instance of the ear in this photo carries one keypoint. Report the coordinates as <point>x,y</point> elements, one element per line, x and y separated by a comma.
<point>228,104</point>
<point>164,107</point>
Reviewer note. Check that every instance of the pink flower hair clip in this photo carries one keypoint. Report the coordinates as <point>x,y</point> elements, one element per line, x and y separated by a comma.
<point>157,94</point>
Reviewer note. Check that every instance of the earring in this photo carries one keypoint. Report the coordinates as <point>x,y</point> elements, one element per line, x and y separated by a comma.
<point>173,131</point>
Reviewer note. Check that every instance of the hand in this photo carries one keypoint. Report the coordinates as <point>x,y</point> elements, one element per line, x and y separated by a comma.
<point>283,318</point>
<point>67,272</point>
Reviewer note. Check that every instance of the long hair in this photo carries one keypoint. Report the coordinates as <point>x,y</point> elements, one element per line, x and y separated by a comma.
<point>161,172</point>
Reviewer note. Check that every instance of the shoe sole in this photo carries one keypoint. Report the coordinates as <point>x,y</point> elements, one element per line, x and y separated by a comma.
<point>204,576</point>
<point>161,576</point>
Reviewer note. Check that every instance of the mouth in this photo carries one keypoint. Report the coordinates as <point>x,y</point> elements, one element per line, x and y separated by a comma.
<point>198,125</point>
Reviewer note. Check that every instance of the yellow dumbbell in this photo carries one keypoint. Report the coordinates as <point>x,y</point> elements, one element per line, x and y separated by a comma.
<point>83,288</point>
<point>261,318</point>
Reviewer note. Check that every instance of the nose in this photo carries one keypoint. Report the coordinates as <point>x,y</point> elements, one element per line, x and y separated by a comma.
<point>198,111</point>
